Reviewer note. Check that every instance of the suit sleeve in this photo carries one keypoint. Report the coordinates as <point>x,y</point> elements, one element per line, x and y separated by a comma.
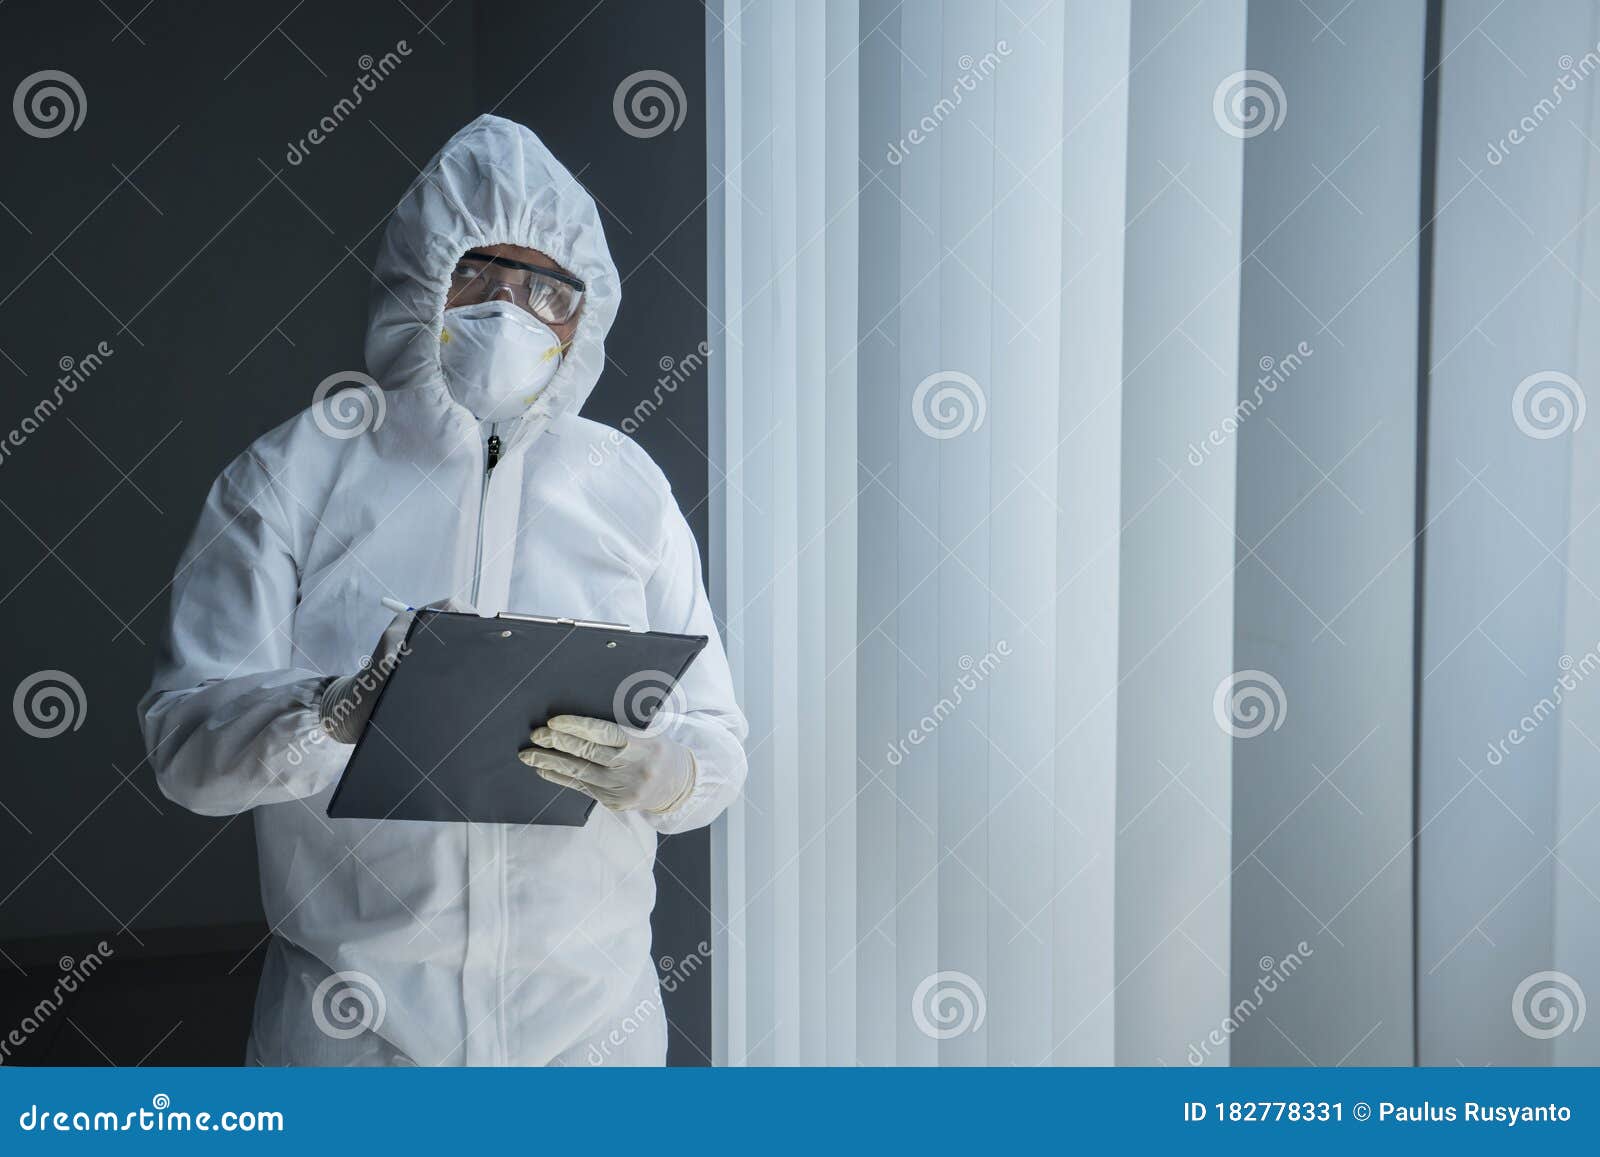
<point>229,721</point>
<point>708,720</point>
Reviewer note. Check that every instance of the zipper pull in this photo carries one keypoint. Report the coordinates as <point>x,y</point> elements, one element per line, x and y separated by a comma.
<point>494,451</point>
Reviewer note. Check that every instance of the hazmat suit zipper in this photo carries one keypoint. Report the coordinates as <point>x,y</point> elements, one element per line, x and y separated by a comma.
<point>493,897</point>
<point>491,457</point>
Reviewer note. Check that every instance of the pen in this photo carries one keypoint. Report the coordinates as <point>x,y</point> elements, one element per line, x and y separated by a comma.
<point>395,605</point>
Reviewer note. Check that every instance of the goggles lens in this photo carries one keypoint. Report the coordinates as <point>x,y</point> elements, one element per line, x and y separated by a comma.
<point>552,297</point>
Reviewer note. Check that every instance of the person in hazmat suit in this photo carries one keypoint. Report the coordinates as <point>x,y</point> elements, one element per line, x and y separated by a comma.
<point>468,480</point>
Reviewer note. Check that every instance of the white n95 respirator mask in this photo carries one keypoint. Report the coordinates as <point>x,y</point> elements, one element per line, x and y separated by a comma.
<point>497,358</point>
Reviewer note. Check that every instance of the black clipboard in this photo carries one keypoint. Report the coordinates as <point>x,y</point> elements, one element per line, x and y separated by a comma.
<point>442,742</point>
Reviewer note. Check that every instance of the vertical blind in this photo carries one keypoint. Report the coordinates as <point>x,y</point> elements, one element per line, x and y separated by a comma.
<point>1007,520</point>
<point>919,871</point>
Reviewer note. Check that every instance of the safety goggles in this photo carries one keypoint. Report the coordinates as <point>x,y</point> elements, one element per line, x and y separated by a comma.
<point>550,295</point>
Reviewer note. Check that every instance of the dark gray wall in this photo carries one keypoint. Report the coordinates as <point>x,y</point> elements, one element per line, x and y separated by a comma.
<point>227,283</point>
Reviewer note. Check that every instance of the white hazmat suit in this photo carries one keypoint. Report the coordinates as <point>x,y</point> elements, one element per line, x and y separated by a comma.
<point>437,944</point>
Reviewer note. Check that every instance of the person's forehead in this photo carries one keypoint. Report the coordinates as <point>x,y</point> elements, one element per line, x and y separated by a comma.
<point>521,253</point>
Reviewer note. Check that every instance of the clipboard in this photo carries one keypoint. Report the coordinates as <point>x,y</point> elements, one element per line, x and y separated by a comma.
<point>441,745</point>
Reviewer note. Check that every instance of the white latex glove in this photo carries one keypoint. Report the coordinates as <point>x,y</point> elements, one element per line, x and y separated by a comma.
<point>625,770</point>
<point>347,702</point>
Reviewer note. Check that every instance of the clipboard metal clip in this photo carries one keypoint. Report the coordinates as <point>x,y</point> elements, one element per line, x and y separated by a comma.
<point>565,622</point>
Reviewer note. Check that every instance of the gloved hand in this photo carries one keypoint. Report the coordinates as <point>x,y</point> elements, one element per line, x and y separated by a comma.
<point>347,702</point>
<point>625,770</point>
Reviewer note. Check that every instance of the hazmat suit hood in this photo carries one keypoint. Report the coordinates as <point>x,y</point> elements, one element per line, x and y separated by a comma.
<point>494,182</point>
